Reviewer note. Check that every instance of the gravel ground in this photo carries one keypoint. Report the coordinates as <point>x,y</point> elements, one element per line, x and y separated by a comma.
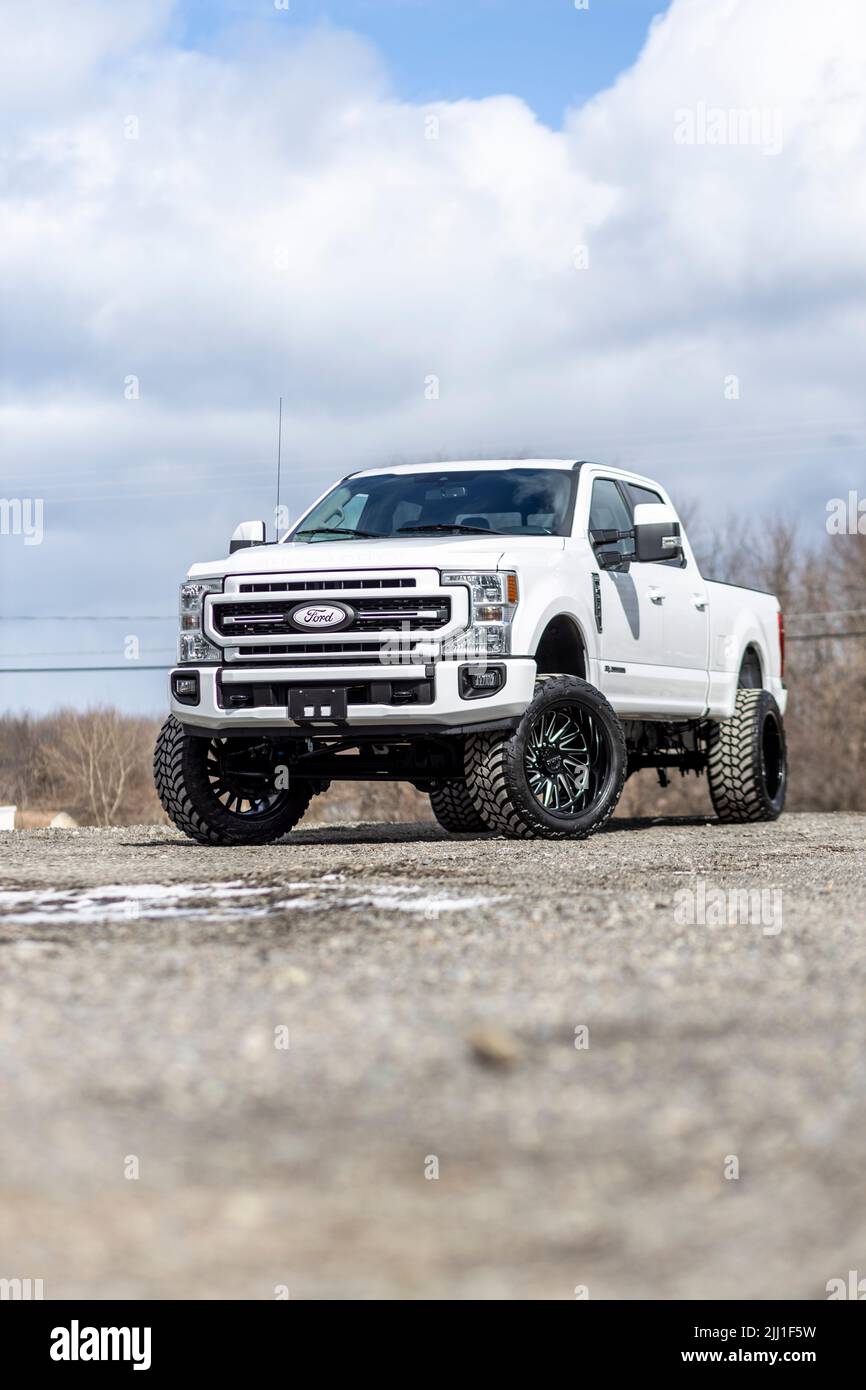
<point>429,989</point>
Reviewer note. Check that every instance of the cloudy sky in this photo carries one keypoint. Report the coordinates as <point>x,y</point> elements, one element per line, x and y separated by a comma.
<point>634,232</point>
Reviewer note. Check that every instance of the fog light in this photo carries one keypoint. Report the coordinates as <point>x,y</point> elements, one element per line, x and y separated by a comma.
<point>477,681</point>
<point>185,688</point>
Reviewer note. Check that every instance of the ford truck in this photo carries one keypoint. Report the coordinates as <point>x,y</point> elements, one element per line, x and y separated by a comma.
<point>514,638</point>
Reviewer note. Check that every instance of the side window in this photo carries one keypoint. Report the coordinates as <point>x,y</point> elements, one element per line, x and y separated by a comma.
<point>637,496</point>
<point>608,512</point>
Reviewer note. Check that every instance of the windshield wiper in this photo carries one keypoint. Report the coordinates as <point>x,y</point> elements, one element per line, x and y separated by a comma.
<point>453,526</point>
<point>340,531</point>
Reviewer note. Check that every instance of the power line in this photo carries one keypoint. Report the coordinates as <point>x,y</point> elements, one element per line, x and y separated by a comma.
<point>108,472</point>
<point>100,651</point>
<point>829,613</point>
<point>822,636</point>
<point>117,492</point>
<point>721,437</point>
<point>172,617</point>
<point>205,490</point>
<point>134,666</point>
<point>88,618</point>
<point>56,670</point>
<point>723,433</point>
<point>211,489</point>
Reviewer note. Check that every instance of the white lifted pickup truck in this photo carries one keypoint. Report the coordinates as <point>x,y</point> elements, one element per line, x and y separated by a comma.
<point>514,638</point>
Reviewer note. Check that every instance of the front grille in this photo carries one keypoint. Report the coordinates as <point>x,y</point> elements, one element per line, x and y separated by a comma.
<point>371,615</point>
<point>308,586</point>
<point>269,695</point>
<point>301,653</point>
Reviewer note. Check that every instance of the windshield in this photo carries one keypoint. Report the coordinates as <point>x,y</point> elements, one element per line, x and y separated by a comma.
<point>464,502</point>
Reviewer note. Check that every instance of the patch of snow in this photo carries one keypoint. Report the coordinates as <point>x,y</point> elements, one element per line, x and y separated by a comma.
<point>113,902</point>
<point>117,902</point>
<point>386,897</point>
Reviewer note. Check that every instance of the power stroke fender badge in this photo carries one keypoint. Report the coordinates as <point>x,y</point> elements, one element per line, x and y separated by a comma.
<point>320,617</point>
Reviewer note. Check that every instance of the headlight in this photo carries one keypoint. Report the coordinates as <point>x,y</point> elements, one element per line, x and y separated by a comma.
<point>193,645</point>
<point>492,602</point>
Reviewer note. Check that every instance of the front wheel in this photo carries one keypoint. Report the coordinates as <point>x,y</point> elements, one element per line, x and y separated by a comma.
<point>225,791</point>
<point>747,766</point>
<point>560,774</point>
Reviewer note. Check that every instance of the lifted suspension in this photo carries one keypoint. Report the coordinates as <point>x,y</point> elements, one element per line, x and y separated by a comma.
<point>422,761</point>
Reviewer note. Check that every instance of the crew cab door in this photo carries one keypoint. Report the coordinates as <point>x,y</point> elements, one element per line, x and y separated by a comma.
<point>677,590</point>
<point>630,639</point>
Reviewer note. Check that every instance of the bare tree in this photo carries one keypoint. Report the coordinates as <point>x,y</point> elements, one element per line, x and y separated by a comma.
<point>92,762</point>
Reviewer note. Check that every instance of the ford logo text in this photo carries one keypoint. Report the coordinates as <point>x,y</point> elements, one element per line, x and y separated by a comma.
<point>320,616</point>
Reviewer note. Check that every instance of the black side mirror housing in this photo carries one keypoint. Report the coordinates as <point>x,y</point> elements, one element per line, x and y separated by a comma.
<point>656,534</point>
<point>657,540</point>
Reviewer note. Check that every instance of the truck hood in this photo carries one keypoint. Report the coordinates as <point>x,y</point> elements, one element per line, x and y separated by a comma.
<point>426,552</point>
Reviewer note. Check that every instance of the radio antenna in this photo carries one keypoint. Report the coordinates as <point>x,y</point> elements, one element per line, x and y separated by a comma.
<point>279,462</point>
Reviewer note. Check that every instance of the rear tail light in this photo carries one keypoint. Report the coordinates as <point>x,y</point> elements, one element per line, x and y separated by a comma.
<point>782,642</point>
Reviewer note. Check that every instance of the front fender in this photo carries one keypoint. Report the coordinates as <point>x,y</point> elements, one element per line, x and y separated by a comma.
<point>527,638</point>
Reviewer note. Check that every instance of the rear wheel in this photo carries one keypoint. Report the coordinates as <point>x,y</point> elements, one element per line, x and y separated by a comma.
<point>748,760</point>
<point>226,791</point>
<point>560,774</point>
<point>455,810</point>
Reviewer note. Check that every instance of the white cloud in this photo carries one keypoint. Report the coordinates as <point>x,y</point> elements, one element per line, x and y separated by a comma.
<point>51,49</point>
<point>283,225</point>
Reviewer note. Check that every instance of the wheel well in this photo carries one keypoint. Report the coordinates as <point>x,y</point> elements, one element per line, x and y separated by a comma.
<point>561,650</point>
<point>751,673</point>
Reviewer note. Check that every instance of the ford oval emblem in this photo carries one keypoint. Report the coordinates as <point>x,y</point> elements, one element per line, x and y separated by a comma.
<point>321,617</point>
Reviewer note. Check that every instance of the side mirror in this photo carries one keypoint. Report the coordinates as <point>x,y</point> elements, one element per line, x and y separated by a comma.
<point>613,560</point>
<point>656,533</point>
<point>247,534</point>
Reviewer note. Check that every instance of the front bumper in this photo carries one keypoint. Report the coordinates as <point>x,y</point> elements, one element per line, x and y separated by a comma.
<point>447,709</point>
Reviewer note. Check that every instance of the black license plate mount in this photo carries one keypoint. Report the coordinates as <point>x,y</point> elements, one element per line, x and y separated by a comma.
<point>317,702</point>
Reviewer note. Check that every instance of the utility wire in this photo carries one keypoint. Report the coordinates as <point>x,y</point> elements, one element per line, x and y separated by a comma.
<point>97,651</point>
<point>134,665</point>
<point>88,617</point>
<point>776,430</point>
<point>55,670</point>
<point>172,617</point>
<point>107,473</point>
<point>822,636</point>
<point>830,613</point>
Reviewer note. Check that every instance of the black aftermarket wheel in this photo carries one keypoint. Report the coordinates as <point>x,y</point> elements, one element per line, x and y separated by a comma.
<point>560,774</point>
<point>225,791</point>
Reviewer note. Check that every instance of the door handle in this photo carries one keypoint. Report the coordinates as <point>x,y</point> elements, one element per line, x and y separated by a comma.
<point>700,602</point>
<point>656,595</point>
